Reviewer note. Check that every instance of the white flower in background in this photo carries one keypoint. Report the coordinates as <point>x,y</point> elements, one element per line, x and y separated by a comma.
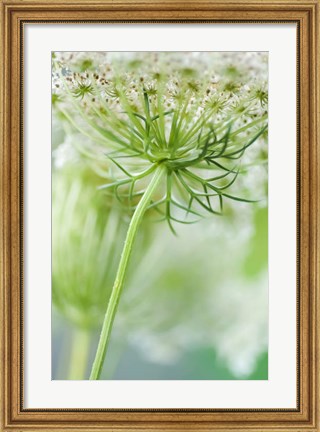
<point>213,303</point>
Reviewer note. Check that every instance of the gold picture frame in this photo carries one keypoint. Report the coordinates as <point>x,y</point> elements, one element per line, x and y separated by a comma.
<point>306,416</point>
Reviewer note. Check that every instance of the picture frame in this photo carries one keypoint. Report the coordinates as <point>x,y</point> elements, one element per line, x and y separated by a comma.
<point>14,416</point>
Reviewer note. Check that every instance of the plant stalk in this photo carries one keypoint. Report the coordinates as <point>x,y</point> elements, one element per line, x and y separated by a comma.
<point>119,280</point>
<point>79,354</point>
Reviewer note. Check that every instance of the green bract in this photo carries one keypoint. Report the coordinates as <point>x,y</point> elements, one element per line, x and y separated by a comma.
<point>196,125</point>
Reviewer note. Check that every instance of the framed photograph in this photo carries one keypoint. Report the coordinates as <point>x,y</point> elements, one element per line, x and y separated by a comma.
<point>160,200</point>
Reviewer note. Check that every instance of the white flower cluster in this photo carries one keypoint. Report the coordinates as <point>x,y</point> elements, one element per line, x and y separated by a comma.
<point>223,82</point>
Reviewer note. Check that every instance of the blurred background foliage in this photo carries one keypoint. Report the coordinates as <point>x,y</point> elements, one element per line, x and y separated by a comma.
<point>195,306</point>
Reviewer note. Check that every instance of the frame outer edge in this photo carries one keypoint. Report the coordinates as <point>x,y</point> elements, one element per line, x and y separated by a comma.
<point>5,251</point>
<point>2,227</point>
<point>6,226</point>
<point>315,98</point>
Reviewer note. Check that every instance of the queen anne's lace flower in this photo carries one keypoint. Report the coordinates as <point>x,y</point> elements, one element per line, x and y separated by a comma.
<point>193,116</point>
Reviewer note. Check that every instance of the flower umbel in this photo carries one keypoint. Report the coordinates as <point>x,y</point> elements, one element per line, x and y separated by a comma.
<point>198,129</point>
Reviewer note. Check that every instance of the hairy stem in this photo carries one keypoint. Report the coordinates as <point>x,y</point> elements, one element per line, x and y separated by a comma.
<point>79,354</point>
<point>119,280</point>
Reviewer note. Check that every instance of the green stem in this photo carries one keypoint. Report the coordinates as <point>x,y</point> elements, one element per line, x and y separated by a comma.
<point>118,283</point>
<point>79,354</point>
